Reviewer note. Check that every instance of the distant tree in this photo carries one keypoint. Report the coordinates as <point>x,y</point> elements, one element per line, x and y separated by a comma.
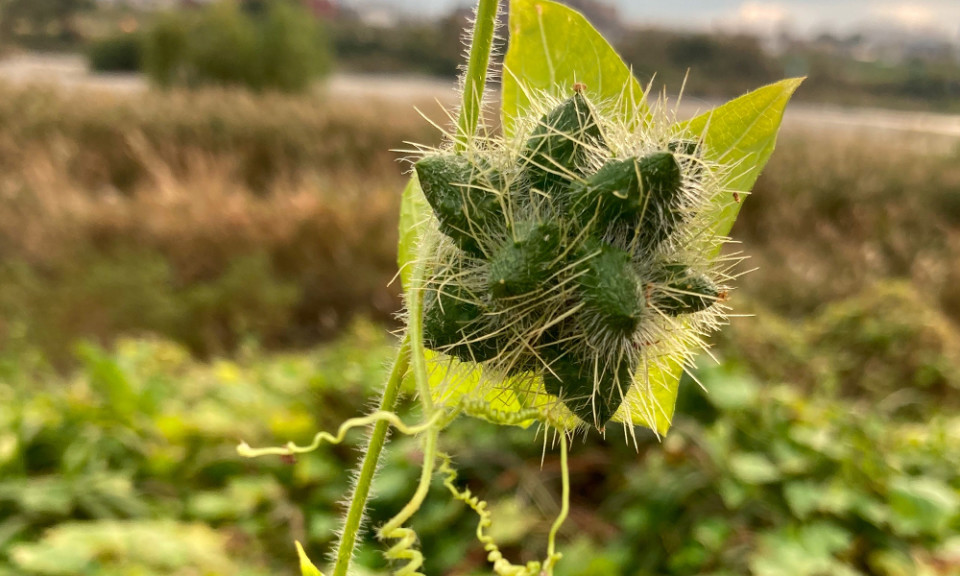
<point>275,45</point>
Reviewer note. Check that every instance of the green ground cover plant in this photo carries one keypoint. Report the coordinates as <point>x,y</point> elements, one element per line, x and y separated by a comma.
<point>759,473</point>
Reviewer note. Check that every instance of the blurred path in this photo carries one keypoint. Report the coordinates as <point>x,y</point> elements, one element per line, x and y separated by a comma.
<point>70,71</point>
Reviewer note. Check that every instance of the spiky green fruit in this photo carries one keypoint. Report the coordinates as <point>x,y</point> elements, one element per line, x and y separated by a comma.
<point>556,152</point>
<point>590,390</point>
<point>464,198</point>
<point>526,262</point>
<point>685,291</point>
<point>453,323</point>
<point>610,290</point>
<point>643,194</point>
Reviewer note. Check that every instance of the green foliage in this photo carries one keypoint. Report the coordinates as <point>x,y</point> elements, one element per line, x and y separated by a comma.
<point>756,477</point>
<point>294,48</point>
<point>285,49</point>
<point>130,464</point>
<point>128,291</point>
<point>539,61</point>
<point>223,47</point>
<point>119,53</point>
<point>165,48</point>
<point>117,548</point>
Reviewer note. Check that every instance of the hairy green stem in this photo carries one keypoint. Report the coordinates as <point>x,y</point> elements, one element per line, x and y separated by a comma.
<point>426,473</point>
<point>474,85</point>
<point>475,80</point>
<point>378,438</point>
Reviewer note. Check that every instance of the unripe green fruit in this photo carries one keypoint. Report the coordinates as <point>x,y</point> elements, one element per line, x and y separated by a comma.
<point>452,324</point>
<point>610,289</point>
<point>526,262</point>
<point>685,291</point>
<point>461,195</point>
<point>571,378</point>
<point>556,152</point>
<point>644,194</point>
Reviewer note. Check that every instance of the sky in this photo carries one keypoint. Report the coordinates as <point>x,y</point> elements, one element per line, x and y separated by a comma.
<point>939,17</point>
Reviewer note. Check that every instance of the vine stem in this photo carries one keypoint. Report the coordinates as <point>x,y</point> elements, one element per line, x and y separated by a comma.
<point>473,86</point>
<point>552,555</point>
<point>361,490</point>
<point>475,80</point>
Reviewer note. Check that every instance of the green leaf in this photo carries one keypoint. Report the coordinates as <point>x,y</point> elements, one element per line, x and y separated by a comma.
<point>306,566</point>
<point>742,133</point>
<point>753,469</point>
<point>922,506</point>
<point>414,213</point>
<point>552,48</point>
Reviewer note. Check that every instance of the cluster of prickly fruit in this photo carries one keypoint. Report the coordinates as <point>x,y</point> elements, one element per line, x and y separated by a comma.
<point>566,260</point>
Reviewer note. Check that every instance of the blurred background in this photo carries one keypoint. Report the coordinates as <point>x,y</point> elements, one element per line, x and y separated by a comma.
<point>198,214</point>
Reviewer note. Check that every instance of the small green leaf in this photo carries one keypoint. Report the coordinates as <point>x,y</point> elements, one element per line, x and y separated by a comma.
<point>414,212</point>
<point>306,566</point>
<point>753,469</point>
<point>552,48</point>
<point>922,506</point>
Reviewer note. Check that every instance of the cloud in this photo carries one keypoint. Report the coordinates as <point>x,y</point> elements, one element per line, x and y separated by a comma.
<point>758,17</point>
<point>906,14</point>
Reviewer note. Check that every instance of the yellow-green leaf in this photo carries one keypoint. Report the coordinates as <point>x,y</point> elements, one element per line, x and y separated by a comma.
<point>414,213</point>
<point>306,566</point>
<point>553,47</point>
<point>742,134</point>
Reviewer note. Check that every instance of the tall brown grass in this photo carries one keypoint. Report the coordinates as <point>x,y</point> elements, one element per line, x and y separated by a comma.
<point>205,216</point>
<point>216,215</point>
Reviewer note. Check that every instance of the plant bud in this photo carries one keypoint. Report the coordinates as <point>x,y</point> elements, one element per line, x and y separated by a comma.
<point>555,153</point>
<point>527,262</point>
<point>685,291</point>
<point>461,195</point>
<point>610,290</point>
<point>592,392</point>
<point>452,324</point>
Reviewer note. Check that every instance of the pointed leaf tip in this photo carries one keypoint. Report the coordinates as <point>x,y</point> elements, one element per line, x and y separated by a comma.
<point>306,566</point>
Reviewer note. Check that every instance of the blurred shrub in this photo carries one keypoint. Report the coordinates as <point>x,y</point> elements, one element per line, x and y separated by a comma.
<point>165,48</point>
<point>119,53</point>
<point>223,47</point>
<point>283,49</point>
<point>888,342</point>
<point>890,339</point>
<point>294,48</point>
